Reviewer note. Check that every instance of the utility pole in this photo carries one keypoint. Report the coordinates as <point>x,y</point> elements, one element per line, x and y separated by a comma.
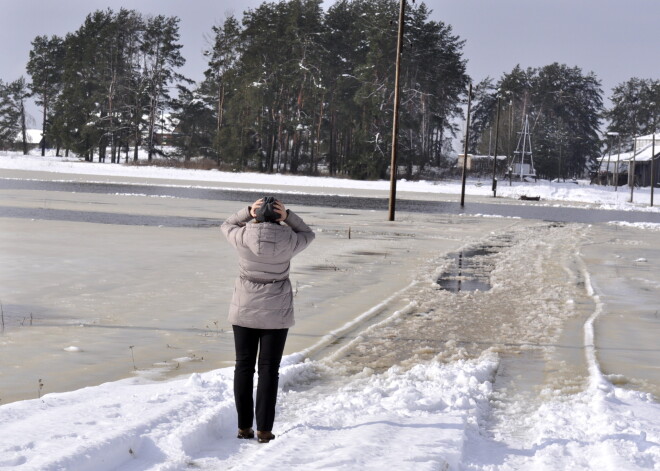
<point>616,169</point>
<point>510,156</point>
<point>652,169</point>
<point>607,172</point>
<point>465,152</point>
<point>655,118</point>
<point>497,133</point>
<point>395,120</point>
<point>631,170</point>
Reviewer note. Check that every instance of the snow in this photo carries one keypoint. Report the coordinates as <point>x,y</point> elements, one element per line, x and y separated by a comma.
<point>610,429</point>
<point>191,422</point>
<point>433,414</point>
<point>602,197</point>
<point>641,225</point>
<point>423,418</point>
<point>32,136</point>
<point>646,153</point>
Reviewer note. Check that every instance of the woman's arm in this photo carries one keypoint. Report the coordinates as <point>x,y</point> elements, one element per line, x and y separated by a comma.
<point>234,226</point>
<point>304,233</point>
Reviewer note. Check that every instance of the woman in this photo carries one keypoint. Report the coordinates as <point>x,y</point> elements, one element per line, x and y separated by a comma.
<point>261,309</point>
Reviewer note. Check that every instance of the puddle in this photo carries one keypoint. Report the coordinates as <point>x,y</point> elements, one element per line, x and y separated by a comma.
<point>366,252</point>
<point>471,268</point>
<point>328,267</point>
<point>112,218</point>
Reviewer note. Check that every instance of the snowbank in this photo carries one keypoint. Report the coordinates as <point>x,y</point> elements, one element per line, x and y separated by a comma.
<point>420,413</point>
<point>579,192</point>
<point>425,418</point>
<point>641,225</point>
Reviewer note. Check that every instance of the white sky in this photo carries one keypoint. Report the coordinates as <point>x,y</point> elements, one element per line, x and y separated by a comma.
<point>615,39</point>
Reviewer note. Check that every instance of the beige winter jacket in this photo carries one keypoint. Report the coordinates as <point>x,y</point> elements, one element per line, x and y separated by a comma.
<point>262,296</point>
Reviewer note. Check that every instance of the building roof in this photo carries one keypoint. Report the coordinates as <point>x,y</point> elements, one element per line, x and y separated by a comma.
<point>645,154</point>
<point>642,155</point>
<point>649,137</point>
<point>613,159</point>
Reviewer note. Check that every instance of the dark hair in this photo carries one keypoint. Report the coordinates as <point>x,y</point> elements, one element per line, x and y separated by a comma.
<point>266,212</point>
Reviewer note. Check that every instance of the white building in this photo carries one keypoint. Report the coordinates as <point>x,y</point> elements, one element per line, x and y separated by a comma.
<point>612,164</point>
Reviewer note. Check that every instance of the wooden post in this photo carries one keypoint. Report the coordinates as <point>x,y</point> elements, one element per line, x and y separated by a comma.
<point>395,120</point>
<point>467,136</point>
<point>497,133</point>
<point>631,170</point>
<point>652,160</point>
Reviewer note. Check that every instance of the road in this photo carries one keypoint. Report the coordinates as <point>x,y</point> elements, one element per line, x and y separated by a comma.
<point>526,210</point>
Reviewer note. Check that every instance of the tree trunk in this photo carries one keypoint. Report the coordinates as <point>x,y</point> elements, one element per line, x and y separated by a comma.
<point>137,139</point>
<point>279,140</point>
<point>271,152</point>
<point>221,101</point>
<point>23,128</point>
<point>295,153</point>
<point>287,150</point>
<point>318,141</point>
<point>43,128</point>
<point>152,126</point>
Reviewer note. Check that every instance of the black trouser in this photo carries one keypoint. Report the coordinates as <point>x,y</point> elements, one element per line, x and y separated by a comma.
<point>270,344</point>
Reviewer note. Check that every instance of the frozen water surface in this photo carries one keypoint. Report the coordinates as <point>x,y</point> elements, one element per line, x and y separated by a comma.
<point>135,299</point>
<point>543,359</point>
<point>625,274</point>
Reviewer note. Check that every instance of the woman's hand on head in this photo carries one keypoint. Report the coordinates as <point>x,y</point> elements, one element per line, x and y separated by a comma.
<point>279,208</point>
<point>256,205</point>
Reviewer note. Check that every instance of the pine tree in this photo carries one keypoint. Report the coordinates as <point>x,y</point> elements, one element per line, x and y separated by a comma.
<point>45,68</point>
<point>12,113</point>
<point>162,57</point>
<point>195,123</point>
<point>635,108</point>
<point>436,84</point>
<point>220,76</point>
<point>484,109</point>
<point>563,105</point>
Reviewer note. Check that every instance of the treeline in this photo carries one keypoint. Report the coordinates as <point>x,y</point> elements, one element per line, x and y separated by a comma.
<point>103,88</point>
<point>13,117</point>
<point>564,107</point>
<point>635,109</point>
<point>291,88</point>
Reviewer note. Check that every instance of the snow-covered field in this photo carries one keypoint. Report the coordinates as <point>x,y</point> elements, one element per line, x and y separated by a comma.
<point>363,408</point>
<point>566,193</point>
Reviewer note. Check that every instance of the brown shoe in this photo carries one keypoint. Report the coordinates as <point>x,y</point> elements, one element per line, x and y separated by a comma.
<point>244,433</point>
<point>265,437</point>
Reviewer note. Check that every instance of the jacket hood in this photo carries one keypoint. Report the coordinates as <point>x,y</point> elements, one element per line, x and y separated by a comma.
<point>267,239</point>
